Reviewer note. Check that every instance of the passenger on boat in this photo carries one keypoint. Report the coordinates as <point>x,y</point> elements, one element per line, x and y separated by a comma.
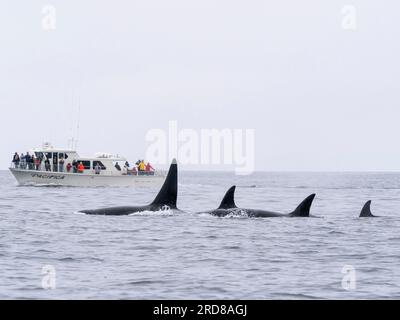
<point>97,169</point>
<point>69,167</point>
<point>28,160</point>
<point>149,168</point>
<point>61,163</point>
<point>81,168</point>
<point>25,162</point>
<point>47,165</point>
<point>75,166</point>
<point>142,166</point>
<point>127,164</point>
<point>37,163</point>
<point>22,161</point>
<point>16,160</point>
<point>32,161</point>
<point>117,166</point>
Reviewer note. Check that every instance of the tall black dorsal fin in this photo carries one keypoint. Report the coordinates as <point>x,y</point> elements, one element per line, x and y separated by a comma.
<point>169,191</point>
<point>303,210</point>
<point>229,200</point>
<point>366,210</point>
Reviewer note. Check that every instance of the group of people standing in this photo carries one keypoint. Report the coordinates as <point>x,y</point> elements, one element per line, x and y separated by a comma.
<point>76,167</point>
<point>30,162</point>
<point>141,167</point>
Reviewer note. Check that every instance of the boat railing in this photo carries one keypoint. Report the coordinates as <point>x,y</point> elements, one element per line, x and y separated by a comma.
<point>26,166</point>
<point>42,167</point>
<point>36,167</point>
<point>132,173</point>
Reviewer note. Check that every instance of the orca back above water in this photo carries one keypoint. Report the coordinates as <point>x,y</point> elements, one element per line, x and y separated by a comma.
<point>366,210</point>
<point>165,200</point>
<point>229,207</point>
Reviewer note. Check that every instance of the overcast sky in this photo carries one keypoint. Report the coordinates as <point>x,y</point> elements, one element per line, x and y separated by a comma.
<point>318,96</point>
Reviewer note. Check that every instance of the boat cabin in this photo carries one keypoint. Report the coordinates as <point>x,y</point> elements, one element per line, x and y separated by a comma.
<point>106,162</point>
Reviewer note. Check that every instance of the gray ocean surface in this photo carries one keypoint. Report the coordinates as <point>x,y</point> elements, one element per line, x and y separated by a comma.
<point>192,256</point>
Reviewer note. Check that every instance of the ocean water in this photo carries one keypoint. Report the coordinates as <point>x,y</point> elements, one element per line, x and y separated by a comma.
<point>192,256</point>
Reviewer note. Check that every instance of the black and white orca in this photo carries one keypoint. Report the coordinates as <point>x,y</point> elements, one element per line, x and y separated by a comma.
<point>165,200</point>
<point>228,207</point>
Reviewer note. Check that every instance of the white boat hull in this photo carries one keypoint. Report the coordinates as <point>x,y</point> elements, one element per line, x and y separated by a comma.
<point>43,178</point>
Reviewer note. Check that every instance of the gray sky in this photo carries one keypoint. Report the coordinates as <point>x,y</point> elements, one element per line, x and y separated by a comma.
<point>319,97</point>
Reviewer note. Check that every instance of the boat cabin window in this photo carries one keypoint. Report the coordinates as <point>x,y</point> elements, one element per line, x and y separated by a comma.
<point>100,163</point>
<point>51,155</point>
<point>39,155</point>
<point>85,163</point>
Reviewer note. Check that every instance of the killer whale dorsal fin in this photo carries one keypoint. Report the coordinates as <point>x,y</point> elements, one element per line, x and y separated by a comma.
<point>229,200</point>
<point>366,210</point>
<point>169,191</point>
<point>303,210</point>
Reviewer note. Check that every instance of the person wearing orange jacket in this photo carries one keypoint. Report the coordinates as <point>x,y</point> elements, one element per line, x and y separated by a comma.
<point>81,168</point>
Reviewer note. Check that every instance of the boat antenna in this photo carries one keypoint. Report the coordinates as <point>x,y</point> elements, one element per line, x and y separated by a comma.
<point>78,123</point>
<point>71,140</point>
<point>75,130</point>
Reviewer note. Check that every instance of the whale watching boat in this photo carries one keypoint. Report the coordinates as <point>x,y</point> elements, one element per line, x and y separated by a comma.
<point>63,167</point>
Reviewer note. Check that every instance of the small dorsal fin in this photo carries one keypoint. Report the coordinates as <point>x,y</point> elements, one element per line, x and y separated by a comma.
<point>366,210</point>
<point>169,191</point>
<point>229,200</point>
<point>303,210</point>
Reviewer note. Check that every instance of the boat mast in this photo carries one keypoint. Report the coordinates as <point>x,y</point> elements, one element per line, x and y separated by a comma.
<point>78,124</point>
<point>75,131</point>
